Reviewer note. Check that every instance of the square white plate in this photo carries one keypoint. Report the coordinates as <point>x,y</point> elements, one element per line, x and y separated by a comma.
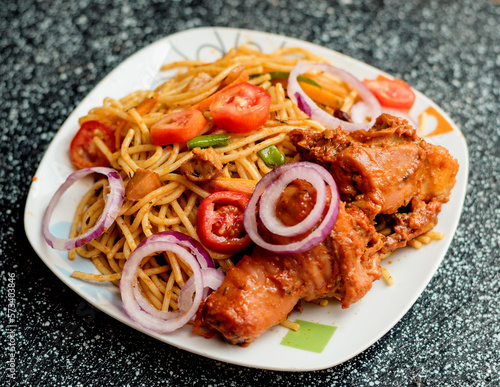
<point>358,327</point>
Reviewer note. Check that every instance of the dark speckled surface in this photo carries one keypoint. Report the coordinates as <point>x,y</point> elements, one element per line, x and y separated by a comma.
<point>54,52</point>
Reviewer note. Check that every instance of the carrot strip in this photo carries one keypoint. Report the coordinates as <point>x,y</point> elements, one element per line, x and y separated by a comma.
<point>328,84</point>
<point>146,106</point>
<point>321,96</point>
<point>243,186</point>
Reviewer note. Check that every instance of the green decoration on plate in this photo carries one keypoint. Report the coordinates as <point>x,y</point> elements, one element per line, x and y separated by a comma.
<point>310,337</point>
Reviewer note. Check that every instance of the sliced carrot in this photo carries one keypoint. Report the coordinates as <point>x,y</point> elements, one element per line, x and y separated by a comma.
<point>243,186</point>
<point>205,104</point>
<point>328,84</point>
<point>146,106</point>
<point>232,76</point>
<point>321,96</point>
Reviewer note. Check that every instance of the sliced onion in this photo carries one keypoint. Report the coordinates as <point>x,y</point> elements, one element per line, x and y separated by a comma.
<point>135,304</point>
<point>212,278</point>
<point>197,249</point>
<point>308,106</point>
<point>270,197</point>
<point>146,306</point>
<point>317,235</point>
<point>359,112</point>
<point>113,202</point>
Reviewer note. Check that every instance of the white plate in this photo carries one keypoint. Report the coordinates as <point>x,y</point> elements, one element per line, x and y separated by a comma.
<point>358,327</point>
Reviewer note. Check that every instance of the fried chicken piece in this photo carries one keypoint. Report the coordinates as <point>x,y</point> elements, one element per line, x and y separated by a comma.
<point>388,172</point>
<point>262,289</point>
<point>385,175</point>
<point>205,165</point>
<point>440,174</point>
<point>408,223</point>
<point>142,183</point>
<point>382,169</point>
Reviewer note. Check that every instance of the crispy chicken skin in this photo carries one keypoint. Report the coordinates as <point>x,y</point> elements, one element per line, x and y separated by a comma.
<point>386,175</point>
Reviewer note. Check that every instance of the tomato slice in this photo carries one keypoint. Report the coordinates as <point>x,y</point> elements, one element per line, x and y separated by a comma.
<point>83,152</point>
<point>219,222</point>
<point>177,127</point>
<point>241,108</point>
<point>392,93</point>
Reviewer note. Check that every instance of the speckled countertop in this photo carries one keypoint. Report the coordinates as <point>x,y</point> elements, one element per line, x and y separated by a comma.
<point>54,52</point>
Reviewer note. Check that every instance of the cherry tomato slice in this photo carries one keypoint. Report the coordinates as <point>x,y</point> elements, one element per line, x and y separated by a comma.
<point>392,93</point>
<point>83,152</point>
<point>177,127</point>
<point>241,108</point>
<point>219,222</point>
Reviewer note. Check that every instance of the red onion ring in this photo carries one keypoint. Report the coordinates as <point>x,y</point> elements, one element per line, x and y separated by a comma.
<point>359,112</point>
<point>113,203</point>
<point>272,194</point>
<point>197,249</point>
<point>212,278</point>
<point>202,256</point>
<point>134,303</point>
<point>316,236</point>
<point>308,106</point>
